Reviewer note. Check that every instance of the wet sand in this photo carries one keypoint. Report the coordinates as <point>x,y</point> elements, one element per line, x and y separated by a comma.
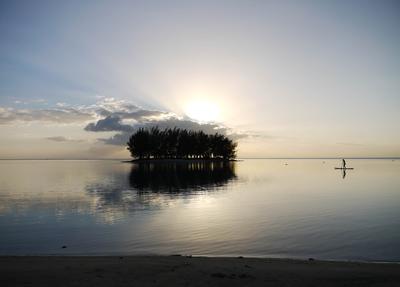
<point>190,271</point>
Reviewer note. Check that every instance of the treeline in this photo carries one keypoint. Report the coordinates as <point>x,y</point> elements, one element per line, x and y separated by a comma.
<point>179,143</point>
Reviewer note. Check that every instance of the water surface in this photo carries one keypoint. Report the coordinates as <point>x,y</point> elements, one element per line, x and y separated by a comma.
<point>280,208</point>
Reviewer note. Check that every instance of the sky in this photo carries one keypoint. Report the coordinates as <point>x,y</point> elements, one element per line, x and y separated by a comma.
<point>282,78</point>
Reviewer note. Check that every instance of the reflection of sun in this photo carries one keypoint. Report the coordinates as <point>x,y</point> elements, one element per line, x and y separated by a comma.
<point>202,110</point>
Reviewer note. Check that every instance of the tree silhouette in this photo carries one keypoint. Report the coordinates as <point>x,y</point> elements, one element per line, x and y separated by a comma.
<point>179,143</point>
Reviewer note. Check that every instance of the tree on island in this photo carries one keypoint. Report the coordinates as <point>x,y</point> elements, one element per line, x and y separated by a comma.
<point>180,144</point>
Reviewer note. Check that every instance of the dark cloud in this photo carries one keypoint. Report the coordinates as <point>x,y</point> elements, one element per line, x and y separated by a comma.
<point>114,121</point>
<point>110,123</point>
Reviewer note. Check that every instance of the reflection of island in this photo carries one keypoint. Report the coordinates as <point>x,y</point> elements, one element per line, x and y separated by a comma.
<point>181,176</point>
<point>152,185</point>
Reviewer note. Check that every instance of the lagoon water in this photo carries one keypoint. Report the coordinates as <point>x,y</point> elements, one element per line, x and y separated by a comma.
<point>294,208</point>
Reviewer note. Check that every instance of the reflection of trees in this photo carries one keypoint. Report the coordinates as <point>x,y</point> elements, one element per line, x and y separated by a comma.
<point>151,185</point>
<point>180,177</point>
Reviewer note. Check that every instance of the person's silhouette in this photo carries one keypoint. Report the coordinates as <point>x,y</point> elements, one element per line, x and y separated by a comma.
<point>344,163</point>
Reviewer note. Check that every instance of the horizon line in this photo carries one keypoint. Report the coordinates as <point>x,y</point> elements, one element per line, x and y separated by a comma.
<point>238,158</point>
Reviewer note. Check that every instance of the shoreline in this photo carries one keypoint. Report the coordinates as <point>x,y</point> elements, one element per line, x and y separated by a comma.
<point>177,270</point>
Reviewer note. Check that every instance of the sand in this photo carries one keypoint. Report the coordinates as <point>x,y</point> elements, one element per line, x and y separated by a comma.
<point>190,271</point>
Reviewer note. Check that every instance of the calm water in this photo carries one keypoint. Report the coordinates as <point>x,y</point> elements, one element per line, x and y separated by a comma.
<point>279,208</point>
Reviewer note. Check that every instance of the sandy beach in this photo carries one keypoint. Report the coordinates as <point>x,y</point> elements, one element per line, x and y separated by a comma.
<point>190,271</point>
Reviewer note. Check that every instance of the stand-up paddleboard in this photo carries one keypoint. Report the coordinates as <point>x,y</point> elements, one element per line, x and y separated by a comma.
<point>344,166</point>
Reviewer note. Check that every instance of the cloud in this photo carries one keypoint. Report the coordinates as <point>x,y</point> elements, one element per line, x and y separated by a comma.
<point>117,139</point>
<point>62,105</point>
<point>56,115</point>
<point>131,112</point>
<point>110,123</point>
<point>111,115</point>
<point>349,144</point>
<point>62,139</point>
<point>126,118</point>
<point>64,113</point>
<point>238,136</point>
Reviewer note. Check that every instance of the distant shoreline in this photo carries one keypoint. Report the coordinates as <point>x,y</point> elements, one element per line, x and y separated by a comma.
<point>190,271</point>
<point>179,160</point>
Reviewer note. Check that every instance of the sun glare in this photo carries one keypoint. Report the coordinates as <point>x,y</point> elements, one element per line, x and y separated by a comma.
<point>203,111</point>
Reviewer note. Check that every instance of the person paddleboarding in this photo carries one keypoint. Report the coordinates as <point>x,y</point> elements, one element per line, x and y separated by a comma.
<point>344,163</point>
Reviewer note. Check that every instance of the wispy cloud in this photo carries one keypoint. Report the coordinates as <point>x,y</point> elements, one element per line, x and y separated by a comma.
<point>62,139</point>
<point>56,115</point>
<point>350,144</point>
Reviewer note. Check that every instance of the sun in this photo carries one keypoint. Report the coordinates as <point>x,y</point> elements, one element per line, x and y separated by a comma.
<point>203,111</point>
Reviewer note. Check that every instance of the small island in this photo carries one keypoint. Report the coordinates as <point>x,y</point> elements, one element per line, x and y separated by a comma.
<point>180,144</point>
